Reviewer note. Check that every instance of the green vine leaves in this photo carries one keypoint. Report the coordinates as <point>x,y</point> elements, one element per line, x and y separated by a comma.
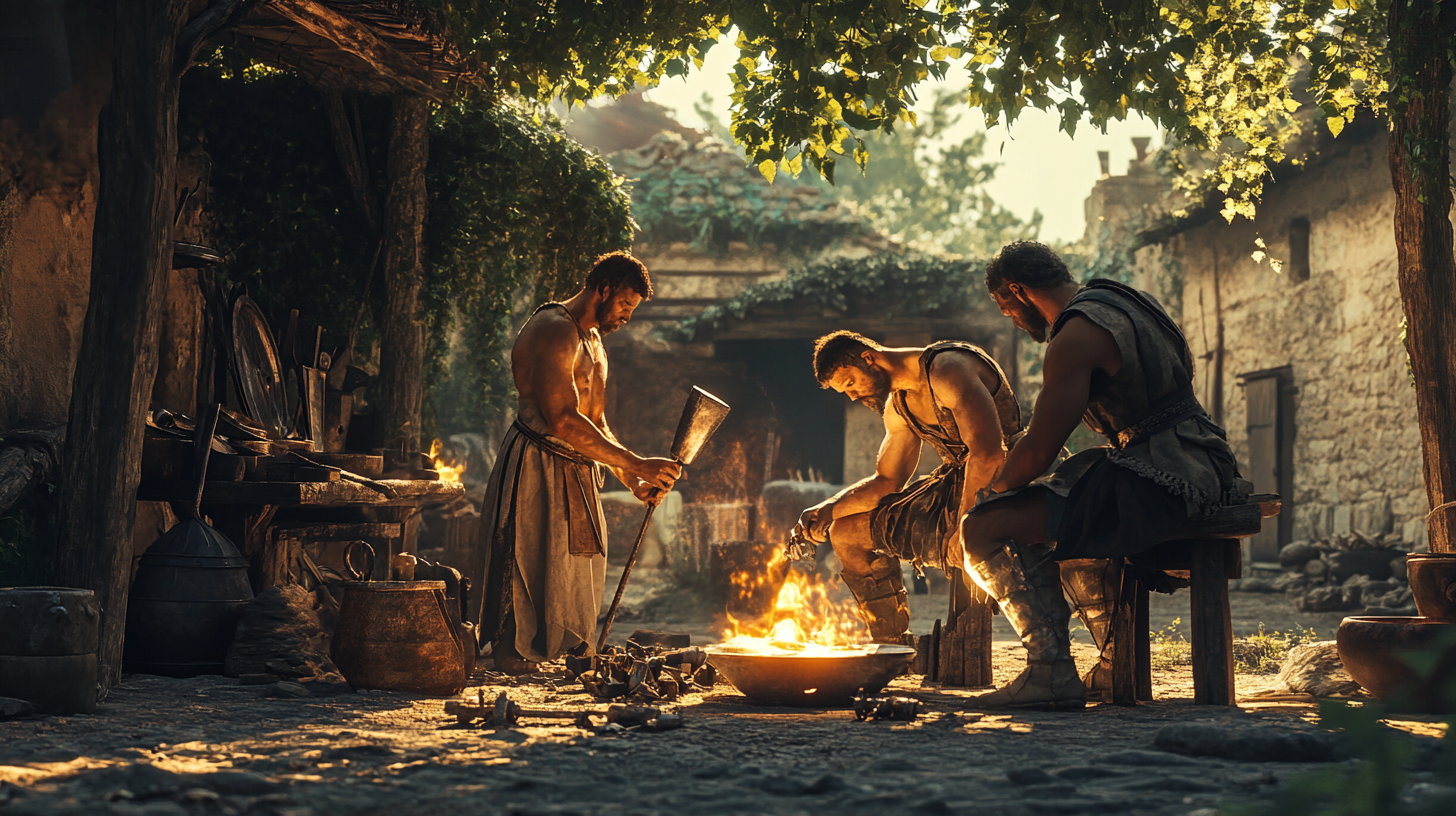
<point>1236,80</point>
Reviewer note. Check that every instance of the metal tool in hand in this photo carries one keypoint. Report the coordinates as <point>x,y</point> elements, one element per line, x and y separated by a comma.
<point>701,416</point>
<point>800,548</point>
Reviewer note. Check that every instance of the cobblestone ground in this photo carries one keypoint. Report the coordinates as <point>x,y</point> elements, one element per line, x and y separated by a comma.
<point>166,747</point>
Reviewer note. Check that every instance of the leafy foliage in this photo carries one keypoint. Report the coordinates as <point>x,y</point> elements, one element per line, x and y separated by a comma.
<point>700,193</point>
<point>899,284</point>
<point>935,201</point>
<point>516,207</point>
<point>281,207</point>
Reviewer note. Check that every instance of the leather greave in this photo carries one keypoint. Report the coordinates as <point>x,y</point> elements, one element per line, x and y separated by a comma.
<point>1092,584</point>
<point>1027,585</point>
<point>882,599</point>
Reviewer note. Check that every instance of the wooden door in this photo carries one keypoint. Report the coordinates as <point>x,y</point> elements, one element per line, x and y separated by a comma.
<point>1263,465</point>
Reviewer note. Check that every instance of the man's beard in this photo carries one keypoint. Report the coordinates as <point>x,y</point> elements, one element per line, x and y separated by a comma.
<point>1029,320</point>
<point>880,382</point>
<point>604,311</point>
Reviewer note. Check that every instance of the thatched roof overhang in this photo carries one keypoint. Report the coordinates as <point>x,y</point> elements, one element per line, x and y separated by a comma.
<point>350,45</point>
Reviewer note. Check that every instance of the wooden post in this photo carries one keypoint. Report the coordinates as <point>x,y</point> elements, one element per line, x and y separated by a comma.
<point>401,355</point>
<point>1420,164</point>
<point>131,254</point>
<point>1142,637</point>
<point>1124,639</point>
<point>1213,631</point>
<point>963,653</point>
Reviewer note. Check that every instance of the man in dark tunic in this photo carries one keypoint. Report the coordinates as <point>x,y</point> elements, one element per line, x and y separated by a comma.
<point>1118,362</point>
<point>951,395</point>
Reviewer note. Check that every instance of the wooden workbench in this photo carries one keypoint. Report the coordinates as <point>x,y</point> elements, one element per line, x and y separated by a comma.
<point>243,511</point>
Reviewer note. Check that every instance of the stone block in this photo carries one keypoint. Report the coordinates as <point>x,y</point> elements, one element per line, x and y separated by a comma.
<point>1342,522</point>
<point>1296,554</point>
<point>1374,563</point>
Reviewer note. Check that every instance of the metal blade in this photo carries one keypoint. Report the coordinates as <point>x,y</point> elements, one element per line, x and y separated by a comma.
<point>701,416</point>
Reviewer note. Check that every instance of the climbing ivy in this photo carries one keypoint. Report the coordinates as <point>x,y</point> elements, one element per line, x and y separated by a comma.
<point>899,284</point>
<point>700,193</point>
<point>517,210</point>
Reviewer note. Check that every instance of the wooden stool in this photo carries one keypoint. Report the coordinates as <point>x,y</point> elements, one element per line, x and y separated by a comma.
<point>1211,554</point>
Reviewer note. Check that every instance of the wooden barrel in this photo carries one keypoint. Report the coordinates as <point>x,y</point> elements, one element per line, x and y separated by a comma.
<point>48,642</point>
<point>398,635</point>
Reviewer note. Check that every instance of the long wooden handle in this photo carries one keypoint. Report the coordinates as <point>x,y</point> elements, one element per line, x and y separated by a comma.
<point>622,584</point>
<point>202,452</point>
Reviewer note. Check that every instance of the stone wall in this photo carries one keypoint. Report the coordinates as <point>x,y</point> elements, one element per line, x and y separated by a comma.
<point>1356,447</point>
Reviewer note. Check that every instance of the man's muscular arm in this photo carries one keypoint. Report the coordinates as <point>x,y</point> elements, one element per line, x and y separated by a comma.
<point>894,465</point>
<point>964,386</point>
<point>553,381</point>
<point>1080,348</point>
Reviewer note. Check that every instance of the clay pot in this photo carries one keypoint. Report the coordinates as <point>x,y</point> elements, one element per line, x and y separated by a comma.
<point>1433,582</point>
<point>1378,653</point>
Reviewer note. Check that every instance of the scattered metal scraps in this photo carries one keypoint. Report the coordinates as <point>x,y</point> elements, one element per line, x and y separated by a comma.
<point>885,708</point>
<point>643,673</point>
<point>506,713</point>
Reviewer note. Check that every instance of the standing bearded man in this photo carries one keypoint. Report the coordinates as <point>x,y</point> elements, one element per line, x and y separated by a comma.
<point>544,540</point>
<point>949,394</point>
<point>1118,362</point>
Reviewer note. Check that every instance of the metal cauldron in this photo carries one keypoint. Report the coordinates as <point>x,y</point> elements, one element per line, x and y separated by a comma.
<point>813,681</point>
<point>400,635</point>
<point>189,592</point>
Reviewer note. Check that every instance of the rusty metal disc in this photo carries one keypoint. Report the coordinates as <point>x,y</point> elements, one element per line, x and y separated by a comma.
<point>259,370</point>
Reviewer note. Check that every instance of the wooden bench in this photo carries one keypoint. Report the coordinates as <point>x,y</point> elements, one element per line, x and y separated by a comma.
<point>958,651</point>
<point>1211,554</point>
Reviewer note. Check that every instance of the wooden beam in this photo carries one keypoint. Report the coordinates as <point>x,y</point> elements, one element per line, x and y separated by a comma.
<point>351,38</point>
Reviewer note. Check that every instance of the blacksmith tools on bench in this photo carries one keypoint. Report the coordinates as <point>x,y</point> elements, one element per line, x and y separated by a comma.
<point>701,416</point>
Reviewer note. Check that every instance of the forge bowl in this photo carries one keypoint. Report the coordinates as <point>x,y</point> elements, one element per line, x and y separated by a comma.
<point>810,682</point>
<point>1433,582</point>
<point>1382,653</point>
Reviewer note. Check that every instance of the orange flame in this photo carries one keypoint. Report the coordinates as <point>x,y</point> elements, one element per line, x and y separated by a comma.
<point>809,616</point>
<point>449,473</point>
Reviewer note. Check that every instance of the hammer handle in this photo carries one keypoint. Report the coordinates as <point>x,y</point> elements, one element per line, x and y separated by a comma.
<point>622,584</point>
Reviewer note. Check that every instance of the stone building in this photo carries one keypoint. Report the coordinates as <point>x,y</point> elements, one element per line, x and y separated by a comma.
<point>714,230</point>
<point>1304,367</point>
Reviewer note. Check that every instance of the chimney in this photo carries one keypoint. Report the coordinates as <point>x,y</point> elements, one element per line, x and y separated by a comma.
<point>1140,144</point>
<point>1104,160</point>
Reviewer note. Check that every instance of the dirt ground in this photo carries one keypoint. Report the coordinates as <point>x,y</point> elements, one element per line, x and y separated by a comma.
<point>164,747</point>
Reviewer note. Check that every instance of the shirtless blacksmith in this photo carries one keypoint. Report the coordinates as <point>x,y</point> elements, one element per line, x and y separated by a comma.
<point>541,522</point>
<point>949,394</point>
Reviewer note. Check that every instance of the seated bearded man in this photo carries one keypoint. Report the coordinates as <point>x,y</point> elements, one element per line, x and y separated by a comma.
<point>951,395</point>
<point>1118,362</point>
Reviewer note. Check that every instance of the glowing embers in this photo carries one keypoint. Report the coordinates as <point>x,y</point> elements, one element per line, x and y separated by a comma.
<point>448,469</point>
<point>808,617</point>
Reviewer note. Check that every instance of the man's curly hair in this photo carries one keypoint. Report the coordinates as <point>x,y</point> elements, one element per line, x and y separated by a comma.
<point>617,269</point>
<point>1029,263</point>
<point>838,349</point>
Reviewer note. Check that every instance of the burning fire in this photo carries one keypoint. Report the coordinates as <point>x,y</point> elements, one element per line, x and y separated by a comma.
<point>449,474</point>
<point>805,620</point>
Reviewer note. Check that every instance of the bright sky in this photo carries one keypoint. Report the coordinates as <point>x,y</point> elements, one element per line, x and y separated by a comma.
<point>1042,168</point>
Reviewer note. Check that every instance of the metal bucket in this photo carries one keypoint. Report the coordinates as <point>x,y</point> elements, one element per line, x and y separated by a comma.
<point>401,636</point>
<point>48,640</point>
